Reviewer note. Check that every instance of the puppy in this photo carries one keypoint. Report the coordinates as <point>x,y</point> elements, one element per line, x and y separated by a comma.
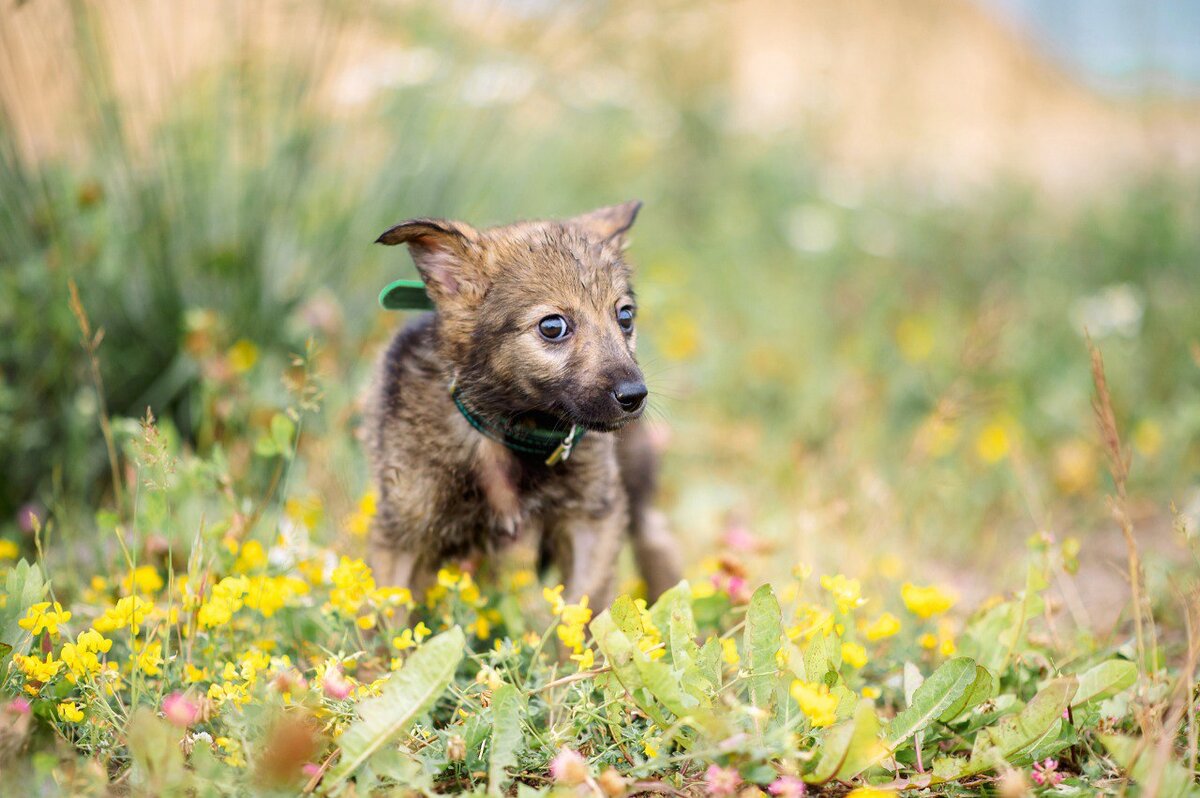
<point>512,409</point>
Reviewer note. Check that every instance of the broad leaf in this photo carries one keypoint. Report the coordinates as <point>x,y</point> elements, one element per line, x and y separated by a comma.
<point>406,695</point>
<point>980,690</point>
<point>1145,765</point>
<point>620,653</point>
<point>508,706</point>
<point>1035,722</point>
<point>938,693</point>
<point>764,626</point>
<point>24,587</point>
<point>1103,680</point>
<point>835,742</point>
<point>866,749</point>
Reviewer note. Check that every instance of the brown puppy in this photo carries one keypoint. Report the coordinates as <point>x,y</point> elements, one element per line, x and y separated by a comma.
<point>511,410</point>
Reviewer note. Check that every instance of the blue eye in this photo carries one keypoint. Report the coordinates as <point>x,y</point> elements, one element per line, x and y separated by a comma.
<point>625,318</point>
<point>554,328</point>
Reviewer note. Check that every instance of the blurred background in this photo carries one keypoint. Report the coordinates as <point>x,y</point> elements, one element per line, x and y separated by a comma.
<point>874,235</point>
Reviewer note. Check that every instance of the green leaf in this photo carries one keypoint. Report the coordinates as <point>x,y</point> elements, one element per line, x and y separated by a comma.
<point>945,686</point>
<point>819,658</point>
<point>764,626</point>
<point>24,587</point>
<point>865,749</point>
<point>627,618</point>
<point>283,429</point>
<point>835,742</point>
<point>619,651</point>
<point>1142,763</point>
<point>157,760</point>
<point>980,690</point>
<point>1104,680</point>
<point>1036,721</point>
<point>406,694</point>
<point>665,684</point>
<point>508,707</point>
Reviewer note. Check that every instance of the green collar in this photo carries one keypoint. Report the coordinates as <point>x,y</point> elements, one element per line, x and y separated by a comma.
<point>552,445</point>
<point>405,295</point>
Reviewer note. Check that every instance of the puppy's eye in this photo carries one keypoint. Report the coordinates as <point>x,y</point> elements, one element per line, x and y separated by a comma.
<point>554,328</point>
<point>625,318</point>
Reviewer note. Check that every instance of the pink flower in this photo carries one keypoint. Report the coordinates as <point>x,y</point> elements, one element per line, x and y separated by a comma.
<point>722,781</point>
<point>568,767</point>
<point>1046,773</point>
<point>310,769</point>
<point>180,710</point>
<point>19,705</point>
<point>335,685</point>
<point>738,538</point>
<point>787,787</point>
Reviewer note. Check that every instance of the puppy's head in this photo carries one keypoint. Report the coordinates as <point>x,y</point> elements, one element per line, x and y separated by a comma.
<point>536,317</point>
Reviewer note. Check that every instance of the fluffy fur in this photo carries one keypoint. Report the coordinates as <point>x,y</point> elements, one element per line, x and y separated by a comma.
<point>446,490</point>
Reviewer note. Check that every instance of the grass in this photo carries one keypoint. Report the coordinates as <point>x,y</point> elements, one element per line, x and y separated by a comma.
<point>858,388</point>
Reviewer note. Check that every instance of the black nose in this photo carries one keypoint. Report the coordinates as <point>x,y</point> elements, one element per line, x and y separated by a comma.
<point>630,395</point>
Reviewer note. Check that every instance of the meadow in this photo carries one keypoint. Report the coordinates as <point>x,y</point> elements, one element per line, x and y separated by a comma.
<point>934,455</point>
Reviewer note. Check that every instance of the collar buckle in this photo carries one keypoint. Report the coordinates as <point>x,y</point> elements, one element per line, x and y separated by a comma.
<point>563,452</point>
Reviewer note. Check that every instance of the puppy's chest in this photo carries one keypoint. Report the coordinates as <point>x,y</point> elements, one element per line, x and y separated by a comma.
<point>516,495</point>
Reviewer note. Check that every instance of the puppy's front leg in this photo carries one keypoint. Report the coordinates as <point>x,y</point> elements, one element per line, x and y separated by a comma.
<point>396,565</point>
<point>586,551</point>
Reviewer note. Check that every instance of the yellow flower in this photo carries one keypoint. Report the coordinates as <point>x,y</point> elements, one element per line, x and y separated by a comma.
<point>144,578</point>
<point>994,441</point>
<point>854,655</point>
<point>269,594</point>
<point>129,613</point>
<point>885,625</point>
<point>928,640</point>
<point>554,598</point>
<point>523,578</point>
<point>365,622</point>
<point>37,670</point>
<point>846,592</point>
<point>914,338</point>
<point>576,614</point>
<point>680,336</point>
<point>928,601</point>
<point>242,356</point>
<point>811,620</point>
<point>226,599</point>
<point>82,657</point>
<point>252,557</point>
<point>586,660</point>
<point>729,651</point>
<point>41,618</point>
<point>449,577</point>
<point>193,674</point>
<point>1147,438</point>
<point>869,792</point>
<point>816,702</point>
<point>306,510</point>
<point>359,522</point>
<point>650,748</point>
<point>9,550</point>
<point>70,712</point>
<point>871,692</point>
<point>353,585</point>
<point>481,628</point>
<point>149,658</point>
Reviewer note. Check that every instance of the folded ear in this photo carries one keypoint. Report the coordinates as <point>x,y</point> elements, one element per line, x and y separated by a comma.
<point>609,223</point>
<point>441,250</point>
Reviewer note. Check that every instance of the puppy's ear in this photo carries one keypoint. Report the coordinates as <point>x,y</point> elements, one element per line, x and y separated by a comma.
<point>609,223</point>
<point>442,252</point>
